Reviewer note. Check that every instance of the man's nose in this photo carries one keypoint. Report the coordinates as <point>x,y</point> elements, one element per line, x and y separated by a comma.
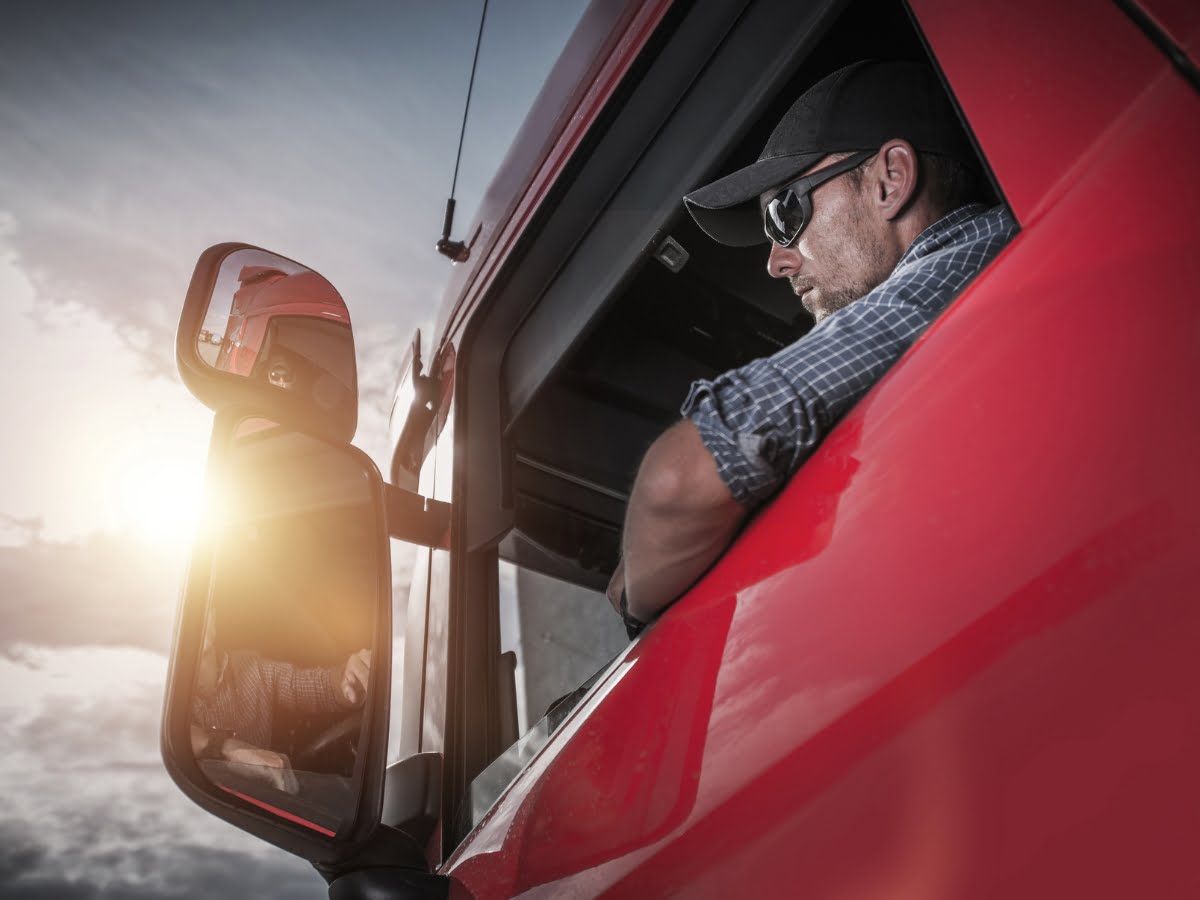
<point>782,261</point>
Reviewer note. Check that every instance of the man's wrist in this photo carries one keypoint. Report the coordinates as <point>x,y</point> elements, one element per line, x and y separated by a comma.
<point>633,627</point>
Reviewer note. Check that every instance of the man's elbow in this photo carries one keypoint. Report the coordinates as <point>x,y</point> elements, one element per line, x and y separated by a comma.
<point>679,476</point>
<point>681,517</point>
<point>662,485</point>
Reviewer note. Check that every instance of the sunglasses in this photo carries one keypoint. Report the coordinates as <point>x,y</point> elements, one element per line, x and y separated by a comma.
<point>787,213</point>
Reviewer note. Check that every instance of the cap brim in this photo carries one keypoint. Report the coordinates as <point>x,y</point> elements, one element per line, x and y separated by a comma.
<point>727,210</point>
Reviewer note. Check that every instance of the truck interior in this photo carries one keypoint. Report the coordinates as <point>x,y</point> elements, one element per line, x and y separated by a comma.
<point>612,305</point>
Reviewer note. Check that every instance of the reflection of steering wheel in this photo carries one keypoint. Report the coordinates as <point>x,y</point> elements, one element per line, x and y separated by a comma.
<point>331,745</point>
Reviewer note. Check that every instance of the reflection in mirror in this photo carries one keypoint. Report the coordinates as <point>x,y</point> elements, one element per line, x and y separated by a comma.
<point>284,669</point>
<point>272,320</point>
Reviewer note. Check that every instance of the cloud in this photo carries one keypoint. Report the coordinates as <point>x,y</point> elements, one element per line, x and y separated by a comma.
<point>135,136</point>
<point>82,413</point>
<point>89,810</point>
<point>105,590</point>
<point>21,530</point>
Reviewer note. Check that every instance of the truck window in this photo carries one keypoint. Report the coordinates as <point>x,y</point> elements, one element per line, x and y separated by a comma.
<point>560,633</point>
<point>600,366</point>
<point>563,638</point>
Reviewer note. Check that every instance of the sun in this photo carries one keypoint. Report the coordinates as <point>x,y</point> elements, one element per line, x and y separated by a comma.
<point>156,494</point>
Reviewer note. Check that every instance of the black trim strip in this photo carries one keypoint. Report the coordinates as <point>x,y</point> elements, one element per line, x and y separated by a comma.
<point>1175,53</point>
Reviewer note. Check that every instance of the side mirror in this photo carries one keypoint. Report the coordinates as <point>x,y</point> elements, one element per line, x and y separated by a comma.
<point>278,692</point>
<point>261,331</point>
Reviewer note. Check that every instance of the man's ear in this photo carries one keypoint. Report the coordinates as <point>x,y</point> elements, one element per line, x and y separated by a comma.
<point>896,178</point>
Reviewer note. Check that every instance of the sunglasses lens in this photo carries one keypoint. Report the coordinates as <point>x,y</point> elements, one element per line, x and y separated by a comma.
<point>783,218</point>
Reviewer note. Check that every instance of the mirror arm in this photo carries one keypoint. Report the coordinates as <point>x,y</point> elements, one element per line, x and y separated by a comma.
<point>416,519</point>
<point>410,446</point>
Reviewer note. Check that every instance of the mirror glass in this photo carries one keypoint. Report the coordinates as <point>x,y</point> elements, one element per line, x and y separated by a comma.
<point>274,321</point>
<point>283,685</point>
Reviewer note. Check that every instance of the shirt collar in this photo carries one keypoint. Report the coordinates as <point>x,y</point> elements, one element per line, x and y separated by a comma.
<point>944,231</point>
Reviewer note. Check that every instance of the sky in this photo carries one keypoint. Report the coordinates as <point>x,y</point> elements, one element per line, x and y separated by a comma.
<point>132,136</point>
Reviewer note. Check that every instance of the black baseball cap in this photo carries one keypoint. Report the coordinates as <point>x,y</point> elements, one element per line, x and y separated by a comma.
<point>860,107</point>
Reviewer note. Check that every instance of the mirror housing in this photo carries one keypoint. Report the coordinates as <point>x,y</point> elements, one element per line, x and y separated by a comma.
<point>264,332</point>
<point>294,569</point>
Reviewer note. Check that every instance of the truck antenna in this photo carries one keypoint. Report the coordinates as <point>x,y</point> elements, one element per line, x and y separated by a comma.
<point>457,250</point>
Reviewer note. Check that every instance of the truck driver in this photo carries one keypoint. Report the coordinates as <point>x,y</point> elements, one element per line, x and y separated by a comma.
<point>870,195</point>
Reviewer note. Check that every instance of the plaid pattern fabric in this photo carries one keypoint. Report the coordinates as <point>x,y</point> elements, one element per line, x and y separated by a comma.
<point>761,421</point>
<point>253,691</point>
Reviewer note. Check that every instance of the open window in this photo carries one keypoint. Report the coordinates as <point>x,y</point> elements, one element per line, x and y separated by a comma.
<point>689,308</point>
<point>611,315</point>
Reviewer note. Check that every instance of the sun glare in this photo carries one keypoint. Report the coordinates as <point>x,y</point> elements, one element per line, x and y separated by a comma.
<point>157,496</point>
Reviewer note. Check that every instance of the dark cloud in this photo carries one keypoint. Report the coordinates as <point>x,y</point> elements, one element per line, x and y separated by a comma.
<point>105,590</point>
<point>19,854</point>
<point>187,871</point>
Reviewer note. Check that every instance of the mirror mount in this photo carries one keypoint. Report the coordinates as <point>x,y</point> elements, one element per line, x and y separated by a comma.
<point>416,519</point>
<point>392,863</point>
<point>412,796</point>
<point>411,443</point>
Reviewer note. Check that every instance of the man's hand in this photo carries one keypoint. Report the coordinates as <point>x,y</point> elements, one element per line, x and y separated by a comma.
<point>680,518</point>
<point>616,587</point>
<point>356,674</point>
<point>264,765</point>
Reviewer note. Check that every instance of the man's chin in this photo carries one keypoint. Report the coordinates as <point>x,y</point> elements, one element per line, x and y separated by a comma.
<point>821,308</point>
<point>818,310</point>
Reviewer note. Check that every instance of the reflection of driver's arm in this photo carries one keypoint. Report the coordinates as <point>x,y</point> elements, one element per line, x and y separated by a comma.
<point>306,691</point>
<point>268,765</point>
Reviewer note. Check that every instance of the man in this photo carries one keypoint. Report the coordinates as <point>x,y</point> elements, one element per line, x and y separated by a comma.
<point>240,695</point>
<point>865,192</point>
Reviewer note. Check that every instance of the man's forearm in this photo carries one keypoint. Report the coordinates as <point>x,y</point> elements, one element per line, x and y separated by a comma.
<point>680,518</point>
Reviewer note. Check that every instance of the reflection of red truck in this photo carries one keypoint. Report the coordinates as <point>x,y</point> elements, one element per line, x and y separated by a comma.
<point>267,293</point>
<point>956,656</point>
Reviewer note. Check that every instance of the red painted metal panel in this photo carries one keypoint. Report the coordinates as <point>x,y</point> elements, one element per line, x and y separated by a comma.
<point>956,657</point>
<point>1040,84</point>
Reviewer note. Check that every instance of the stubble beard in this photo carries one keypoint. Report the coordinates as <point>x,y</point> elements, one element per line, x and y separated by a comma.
<point>863,266</point>
<point>822,305</point>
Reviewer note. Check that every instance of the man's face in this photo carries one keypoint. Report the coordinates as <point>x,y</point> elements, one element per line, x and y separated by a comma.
<point>841,254</point>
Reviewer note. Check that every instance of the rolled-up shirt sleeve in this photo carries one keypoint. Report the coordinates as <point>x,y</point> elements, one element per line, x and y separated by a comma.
<point>761,421</point>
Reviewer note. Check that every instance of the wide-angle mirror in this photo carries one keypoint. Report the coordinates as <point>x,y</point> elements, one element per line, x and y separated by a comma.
<point>288,630</point>
<point>263,331</point>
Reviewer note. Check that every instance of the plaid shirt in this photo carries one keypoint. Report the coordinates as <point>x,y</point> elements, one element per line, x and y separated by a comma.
<point>760,422</point>
<point>253,691</point>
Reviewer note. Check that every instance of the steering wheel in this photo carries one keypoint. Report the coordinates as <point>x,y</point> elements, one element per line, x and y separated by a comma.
<point>336,741</point>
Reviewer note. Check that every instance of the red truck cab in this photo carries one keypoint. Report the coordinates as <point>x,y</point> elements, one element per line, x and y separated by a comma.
<point>955,655</point>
